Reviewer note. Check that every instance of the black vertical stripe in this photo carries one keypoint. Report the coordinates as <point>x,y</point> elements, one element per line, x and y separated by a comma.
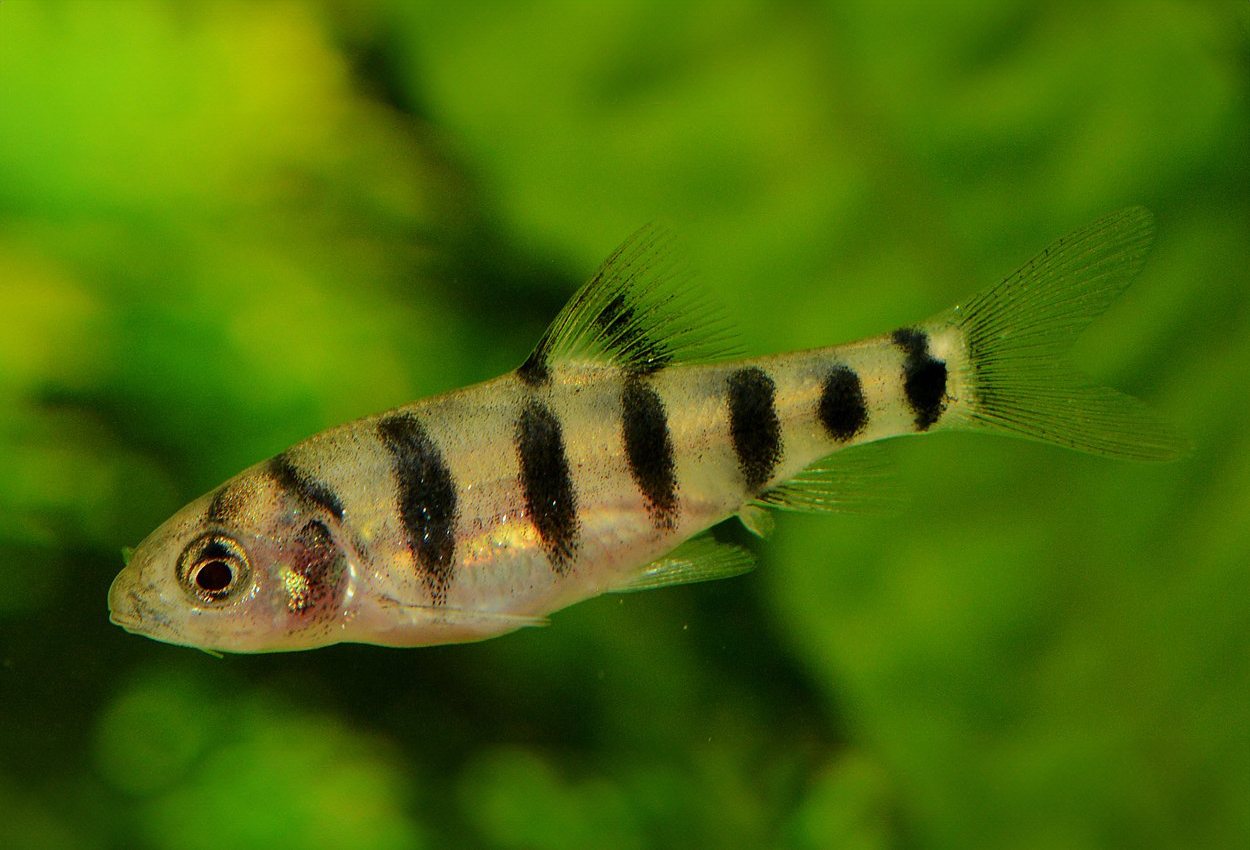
<point>649,450</point>
<point>753,424</point>
<point>303,487</point>
<point>225,505</point>
<point>219,506</point>
<point>547,483</point>
<point>426,495</point>
<point>924,377</point>
<point>319,565</point>
<point>842,409</point>
<point>535,371</point>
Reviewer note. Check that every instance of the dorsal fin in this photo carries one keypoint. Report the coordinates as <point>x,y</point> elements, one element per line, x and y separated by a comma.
<point>639,311</point>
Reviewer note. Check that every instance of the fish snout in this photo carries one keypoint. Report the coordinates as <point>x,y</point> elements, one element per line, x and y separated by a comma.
<point>123,602</point>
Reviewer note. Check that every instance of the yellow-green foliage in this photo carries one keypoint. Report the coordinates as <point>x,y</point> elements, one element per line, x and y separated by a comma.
<point>224,226</point>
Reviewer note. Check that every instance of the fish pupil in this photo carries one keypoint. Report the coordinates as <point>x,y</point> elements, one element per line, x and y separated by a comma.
<point>214,576</point>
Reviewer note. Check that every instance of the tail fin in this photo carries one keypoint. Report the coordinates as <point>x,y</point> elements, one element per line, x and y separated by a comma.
<point>1016,332</point>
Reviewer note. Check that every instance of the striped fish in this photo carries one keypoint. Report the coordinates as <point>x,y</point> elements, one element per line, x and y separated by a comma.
<point>601,462</point>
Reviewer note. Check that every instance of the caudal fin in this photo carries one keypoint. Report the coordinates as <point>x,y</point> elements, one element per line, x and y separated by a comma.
<point>1016,333</point>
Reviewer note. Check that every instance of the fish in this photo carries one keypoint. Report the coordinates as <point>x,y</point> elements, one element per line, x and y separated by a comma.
<point>602,462</point>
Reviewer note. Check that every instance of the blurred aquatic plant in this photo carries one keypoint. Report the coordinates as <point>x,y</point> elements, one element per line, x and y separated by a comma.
<point>224,226</point>
<point>207,767</point>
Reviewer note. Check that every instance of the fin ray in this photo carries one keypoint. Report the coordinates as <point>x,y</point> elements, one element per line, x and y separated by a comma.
<point>1017,331</point>
<point>701,558</point>
<point>640,311</point>
<point>467,616</point>
<point>756,519</point>
<point>860,479</point>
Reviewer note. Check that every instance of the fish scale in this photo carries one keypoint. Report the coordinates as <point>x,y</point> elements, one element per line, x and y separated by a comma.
<point>599,464</point>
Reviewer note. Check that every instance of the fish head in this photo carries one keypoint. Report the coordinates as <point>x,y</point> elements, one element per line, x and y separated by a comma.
<point>249,567</point>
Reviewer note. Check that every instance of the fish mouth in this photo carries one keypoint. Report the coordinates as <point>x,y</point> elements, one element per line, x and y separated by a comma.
<point>122,620</point>
<point>124,604</point>
<point>128,609</point>
<point>129,622</point>
<point>140,618</point>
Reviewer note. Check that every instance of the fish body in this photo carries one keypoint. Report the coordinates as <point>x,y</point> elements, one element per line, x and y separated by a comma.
<point>598,464</point>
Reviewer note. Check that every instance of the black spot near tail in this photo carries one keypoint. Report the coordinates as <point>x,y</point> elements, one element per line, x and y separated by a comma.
<point>753,425</point>
<point>649,450</point>
<point>547,483</point>
<point>426,494</point>
<point>842,409</point>
<point>924,377</point>
<point>305,488</point>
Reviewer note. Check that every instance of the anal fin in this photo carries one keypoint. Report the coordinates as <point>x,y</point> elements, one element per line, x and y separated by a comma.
<point>701,558</point>
<point>856,480</point>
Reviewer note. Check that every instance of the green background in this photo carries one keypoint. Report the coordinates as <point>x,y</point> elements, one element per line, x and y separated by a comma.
<point>225,226</point>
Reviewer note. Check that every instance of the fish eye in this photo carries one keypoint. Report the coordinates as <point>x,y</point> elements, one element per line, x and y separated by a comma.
<point>212,567</point>
<point>213,576</point>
